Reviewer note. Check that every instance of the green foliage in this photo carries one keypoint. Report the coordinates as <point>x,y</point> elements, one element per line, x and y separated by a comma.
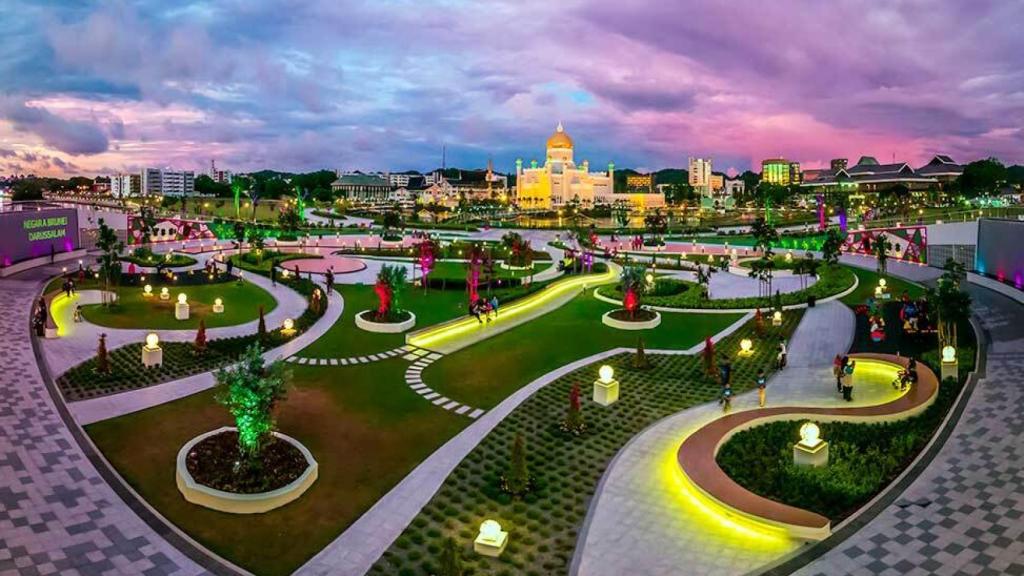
<point>110,262</point>
<point>863,459</point>
<point>250,391</point>
<point>832,245</point>
<point>948,305</point>
<point>451,559</point>
<point>982,177</point>
<point>517,478</point>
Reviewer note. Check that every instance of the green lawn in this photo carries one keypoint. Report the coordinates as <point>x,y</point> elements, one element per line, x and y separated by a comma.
<point>241,304</point>
<point>344,339</point>
<point>485,373</point>
<point>457,271</point>
<point>364,426</point>
<point>869,280</point>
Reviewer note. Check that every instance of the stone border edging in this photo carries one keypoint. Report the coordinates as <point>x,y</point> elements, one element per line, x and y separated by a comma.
<point>859,519</point>
<point>385,327</point>
<point>843,294</point>
<point>233,503</point>
<point>607,320</point>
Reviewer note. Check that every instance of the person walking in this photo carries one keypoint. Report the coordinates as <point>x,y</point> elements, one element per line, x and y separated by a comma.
<point>781,356</point>
<point>762,384</point>
<point>231,266</point>
<point>726,398</point>
<point>273,276</point>
<point>848,380</point>
<point>494,305</point>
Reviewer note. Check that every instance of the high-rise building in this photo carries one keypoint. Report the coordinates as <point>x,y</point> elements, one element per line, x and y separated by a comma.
<point>839,164</point>
<point>700,175</point>
<point>124,185</point>
<point>167,182</point>
<point>780,171</point>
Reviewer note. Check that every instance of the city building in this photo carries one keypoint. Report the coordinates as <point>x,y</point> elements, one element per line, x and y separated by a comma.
<point>780,171</point>
<point>640,183</point>
<point>219,176</point>
<point>167,182</point>
<point>124,185</point>
<point>361,187</point>
<point>870,176</point>
<point>101,185</point>
<point>839,163</point>
<point>560,181</point>
<point>700,175</point>
<point>717,183</point>
<point>401,180</point>
<point>734,187</point>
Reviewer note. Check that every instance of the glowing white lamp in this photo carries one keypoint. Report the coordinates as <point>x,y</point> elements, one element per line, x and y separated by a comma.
<point>649,278</point>
<point>152,354</point>
<point>491,540</point>
<point>811,450</point>
<point>288,327</point>
<point>746,347</point>
<point>777,318</point>
<point>164,295</point>
<point>218,306</point>
<point>182,298</point>
<point>147,290</point>
<point>882,283</point>
<point>606,387</point>
<point>789,256</point>
<point>948,353</point>
<point>181,309</point>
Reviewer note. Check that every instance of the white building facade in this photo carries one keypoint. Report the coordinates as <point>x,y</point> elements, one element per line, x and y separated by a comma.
<point>167,182</point>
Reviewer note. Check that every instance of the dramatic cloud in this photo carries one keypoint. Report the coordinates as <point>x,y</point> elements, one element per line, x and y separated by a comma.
<point>386,85</point>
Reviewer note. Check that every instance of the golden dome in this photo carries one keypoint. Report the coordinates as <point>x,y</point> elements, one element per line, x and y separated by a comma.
<point>560,139</point>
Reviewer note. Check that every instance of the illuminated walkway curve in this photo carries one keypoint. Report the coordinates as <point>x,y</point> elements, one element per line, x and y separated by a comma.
<point>643,518</point>
<point>696,455</point>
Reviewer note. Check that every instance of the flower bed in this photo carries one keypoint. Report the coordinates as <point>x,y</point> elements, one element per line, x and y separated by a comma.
<point>642,319</point>
<point>402,321</point>
<point>207,473</point>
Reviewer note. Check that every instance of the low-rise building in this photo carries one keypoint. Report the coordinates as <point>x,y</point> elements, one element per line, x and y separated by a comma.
<point>124,185</point>
<point>360,187</point>
<point>868,175</point>
<point>168,182</point>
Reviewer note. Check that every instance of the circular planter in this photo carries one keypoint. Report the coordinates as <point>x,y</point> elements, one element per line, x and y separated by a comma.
<point>505,266</point>
<point>231,502</point>
<point>384,327</point>
<point>607,320</point>
<point>391,243</point>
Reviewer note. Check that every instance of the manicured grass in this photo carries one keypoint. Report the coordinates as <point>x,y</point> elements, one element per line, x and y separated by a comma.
<point>344,339</point>
<point>175,261</point>
<point>780,261</point>
<point>241,304</point>
<point>364,426</point>
<point>458,270</point>
<point>565,469</point>
<point>485,373</point>
<point>868,282</point>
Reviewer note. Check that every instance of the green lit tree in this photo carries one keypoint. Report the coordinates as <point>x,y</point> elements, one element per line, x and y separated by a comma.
<point>250,391</point>
<point>451,559</point>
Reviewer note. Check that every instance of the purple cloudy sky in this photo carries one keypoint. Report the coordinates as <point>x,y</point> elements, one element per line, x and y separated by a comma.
<point>304,84</point>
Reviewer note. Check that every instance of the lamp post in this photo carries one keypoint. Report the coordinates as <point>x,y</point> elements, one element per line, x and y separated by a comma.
<point>152,354</point>
<point>606,387</point>
<point>811,450</point>
<point>950,366</point>
<point>181,307</point>
<point>491,540</point>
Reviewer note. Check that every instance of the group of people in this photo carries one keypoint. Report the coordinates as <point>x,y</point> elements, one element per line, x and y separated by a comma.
<point>725,376</point>
<point>842,369</point>
<point>68,287</point>
<point>481,309</point>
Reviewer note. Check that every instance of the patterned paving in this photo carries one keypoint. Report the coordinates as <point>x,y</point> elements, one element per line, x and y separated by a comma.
<point>57,514</point>
<point>403,351</point>
<point>414,378</point>
<point>965,513</point>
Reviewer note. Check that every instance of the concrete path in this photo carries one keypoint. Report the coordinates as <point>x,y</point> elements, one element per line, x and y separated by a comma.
<point>725,285</point>
<point>915,272</point>
<point>103,408</point>
<point>79,343</point>
<point>57,514</point>
<point>643,520</point>
<point>963,514</point>
<point>358,548</point>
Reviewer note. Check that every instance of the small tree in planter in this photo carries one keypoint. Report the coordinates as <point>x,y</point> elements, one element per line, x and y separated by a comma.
<point>250,391</point>
<point>759,322</point>
<point>451,559</point>
<point>632,280</point>
<point>199,345</point>
<point>516,480</point>
<point>102,358</point>
<point>261,328</point>
<point>390,282</point>
<point>573,423</point>
<point>708,355</point>
<point>640,361</point>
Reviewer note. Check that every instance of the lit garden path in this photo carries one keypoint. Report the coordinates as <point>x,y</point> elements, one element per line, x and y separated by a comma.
<point>355,551</point>
<point>79,340</point>
<point>112,406</point>
<point>963,513</point>
<point>57,514</point>
<point>643,520</point>
<point>727,285</point>
<point>914,272</point>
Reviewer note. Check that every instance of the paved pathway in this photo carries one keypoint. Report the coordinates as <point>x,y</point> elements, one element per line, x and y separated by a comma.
<point>642,520</point>
<point>79,343</point>
<point>358,548</point>
<point>728,285</point>
<point>963,514</point>
<point>57,515</point>
<point>914,272</point>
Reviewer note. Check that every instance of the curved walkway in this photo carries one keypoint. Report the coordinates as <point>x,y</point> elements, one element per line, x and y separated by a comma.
<point>57,513</point>
<point>644,520</point>
<point>354,552</point>
<point>696,455</point>
<point>963,513</point>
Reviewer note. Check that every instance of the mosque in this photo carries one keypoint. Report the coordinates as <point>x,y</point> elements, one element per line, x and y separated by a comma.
<point>560,180</point>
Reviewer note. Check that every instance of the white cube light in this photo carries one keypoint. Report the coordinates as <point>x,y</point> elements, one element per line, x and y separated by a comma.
<point>606,387</point>
<point>152,354</point>
<point>218,306</point>
<point>811,450</point>
<point>491,540</point>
